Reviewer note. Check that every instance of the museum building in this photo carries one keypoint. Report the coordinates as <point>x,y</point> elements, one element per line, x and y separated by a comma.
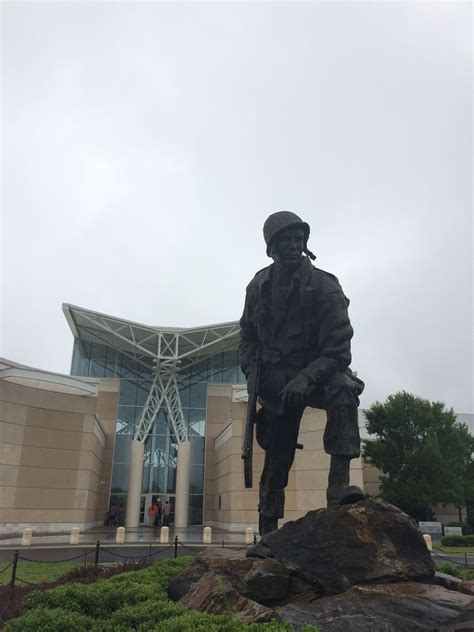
<point>147,413</point>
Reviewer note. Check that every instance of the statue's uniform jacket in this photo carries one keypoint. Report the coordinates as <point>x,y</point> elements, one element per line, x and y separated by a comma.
<point>313,320</point>
<point>300,328</point>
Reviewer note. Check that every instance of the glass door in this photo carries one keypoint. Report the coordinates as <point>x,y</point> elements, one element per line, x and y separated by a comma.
<point>145,503</point>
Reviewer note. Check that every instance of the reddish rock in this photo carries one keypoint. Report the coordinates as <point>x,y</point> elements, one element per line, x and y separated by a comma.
<point>466,587</point>
<point>209,585</point>
<point>215,594</point>
<point>344,568</point>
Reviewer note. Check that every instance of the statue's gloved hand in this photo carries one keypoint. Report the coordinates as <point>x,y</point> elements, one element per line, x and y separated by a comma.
<point>294,393</point>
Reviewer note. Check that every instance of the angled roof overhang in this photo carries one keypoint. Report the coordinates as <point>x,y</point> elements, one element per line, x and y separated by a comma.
<point>46,380</point>
<point>170,345</point>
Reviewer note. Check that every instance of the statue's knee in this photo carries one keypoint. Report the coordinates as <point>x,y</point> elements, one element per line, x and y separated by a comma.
<point>345,397</point>
<point>342,390</point>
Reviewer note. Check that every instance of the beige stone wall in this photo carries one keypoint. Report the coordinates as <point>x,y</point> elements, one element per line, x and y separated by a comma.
<point>55,459</point>
<point>224,483</point>
<point>371,479</point>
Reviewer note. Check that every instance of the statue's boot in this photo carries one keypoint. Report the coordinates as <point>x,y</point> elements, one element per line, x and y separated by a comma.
<point>270,507</point>
<point>339,491</point>
<point>261,550</point>
<point>267,525</point>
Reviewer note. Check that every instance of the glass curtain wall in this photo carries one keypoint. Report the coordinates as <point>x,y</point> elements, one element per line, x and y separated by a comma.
<point>159,468</point>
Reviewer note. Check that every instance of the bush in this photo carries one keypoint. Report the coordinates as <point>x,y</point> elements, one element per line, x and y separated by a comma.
<point>98,600</point>
<point>12,605</point>
<point>465,526</point>
<point>95,600</point>
<point>50,620</point>
<point>130,601</point>
<point>149,613</point>
<point>457,540</point>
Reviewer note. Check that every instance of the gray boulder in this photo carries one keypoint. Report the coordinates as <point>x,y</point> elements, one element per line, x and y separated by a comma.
<point>267,581</point>
<point>339,547</point>
<point>392,607</point>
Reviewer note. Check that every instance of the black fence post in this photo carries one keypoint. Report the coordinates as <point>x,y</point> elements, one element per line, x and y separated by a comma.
<point>97,552</point>
<point>150,552</point>
<point>85,559</point>
<point>255,538</point>
<point>175,546</point>
<point>15,562</point>
<point>465,559</point>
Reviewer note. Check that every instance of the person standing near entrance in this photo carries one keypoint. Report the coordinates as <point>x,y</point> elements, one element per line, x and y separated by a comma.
<point>120,516</point>
<point>153,513</point>
<point>166,514</point>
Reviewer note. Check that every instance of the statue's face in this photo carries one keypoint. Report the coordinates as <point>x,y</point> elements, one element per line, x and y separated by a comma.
<point>288,248</point>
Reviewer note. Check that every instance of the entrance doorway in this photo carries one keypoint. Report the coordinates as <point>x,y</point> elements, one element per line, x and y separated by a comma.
<point>145,502</point>
<point>160,500</point>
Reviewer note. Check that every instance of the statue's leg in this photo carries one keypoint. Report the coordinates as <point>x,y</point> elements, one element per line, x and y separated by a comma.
<point>281,435</point>
<point>342,441</point>
<point>338,479</point>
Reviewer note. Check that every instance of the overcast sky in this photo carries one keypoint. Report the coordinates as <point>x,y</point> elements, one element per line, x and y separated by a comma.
<point>145,144</point>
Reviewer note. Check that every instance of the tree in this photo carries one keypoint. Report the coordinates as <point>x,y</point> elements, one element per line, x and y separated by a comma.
<point>425,454</point>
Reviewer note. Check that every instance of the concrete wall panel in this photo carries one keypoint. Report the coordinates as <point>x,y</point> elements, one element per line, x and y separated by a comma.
<point>54,469</point>
<point>13,412</point>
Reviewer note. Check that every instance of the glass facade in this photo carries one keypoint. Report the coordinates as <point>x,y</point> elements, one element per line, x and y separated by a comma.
<point>159,469</point>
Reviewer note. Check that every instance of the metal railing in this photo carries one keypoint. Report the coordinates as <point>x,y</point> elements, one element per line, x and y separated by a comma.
<point>99,549</point>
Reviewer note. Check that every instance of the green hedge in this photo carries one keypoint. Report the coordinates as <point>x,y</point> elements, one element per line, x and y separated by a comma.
<point>465,526</point>
<point>456,571</point>
<point>457,540</point>
<point>130,601</point>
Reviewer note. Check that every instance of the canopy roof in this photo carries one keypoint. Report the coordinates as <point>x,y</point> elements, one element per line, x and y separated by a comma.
<point>169,345</point>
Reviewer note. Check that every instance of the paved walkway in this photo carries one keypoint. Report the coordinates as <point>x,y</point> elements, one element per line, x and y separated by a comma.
<point>139,543</point>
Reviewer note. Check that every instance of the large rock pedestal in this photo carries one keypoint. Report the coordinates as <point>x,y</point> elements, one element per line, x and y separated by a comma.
<point>338,547</point>
<point>357,567</point>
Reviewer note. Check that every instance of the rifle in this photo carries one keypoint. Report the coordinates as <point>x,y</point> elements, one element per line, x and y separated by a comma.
<point>247,447</point>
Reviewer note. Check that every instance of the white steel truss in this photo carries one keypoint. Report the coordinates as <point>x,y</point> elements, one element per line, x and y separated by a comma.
<point>163,393</point>
<point>168,349</point>
<point>168,345</point>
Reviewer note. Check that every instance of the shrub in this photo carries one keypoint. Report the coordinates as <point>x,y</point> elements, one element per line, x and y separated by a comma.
<point>50,620</point>
<point>130,601</point>
<point>103,597</point>
<point>457,540</point>
<point>203,622</point>
<point>96,600</point>
<point>149,613</point>
<point>465,526</point>
<point>12,605</point>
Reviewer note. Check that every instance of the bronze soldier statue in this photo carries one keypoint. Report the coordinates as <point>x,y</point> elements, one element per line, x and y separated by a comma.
<point>295,325</point>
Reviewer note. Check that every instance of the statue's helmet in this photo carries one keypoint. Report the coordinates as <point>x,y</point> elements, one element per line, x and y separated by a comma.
<point>277,222</point>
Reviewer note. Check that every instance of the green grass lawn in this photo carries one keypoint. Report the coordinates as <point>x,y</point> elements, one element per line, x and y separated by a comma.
<point>37,572</point>
<point>454,549</point>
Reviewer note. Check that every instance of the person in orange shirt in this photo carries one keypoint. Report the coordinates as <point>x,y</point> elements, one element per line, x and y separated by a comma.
<point>152,512</point>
